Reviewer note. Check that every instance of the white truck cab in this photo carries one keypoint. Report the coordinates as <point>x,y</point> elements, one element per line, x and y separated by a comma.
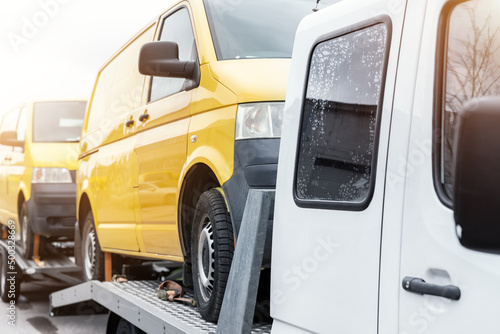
<point>388,190</point>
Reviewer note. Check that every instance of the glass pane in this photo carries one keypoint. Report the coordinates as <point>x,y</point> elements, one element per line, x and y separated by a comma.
<point>176,28</point>
<point>473,68</point>
<point>10,121</point>
<point>22,124</point>
<point>257,28</point>
<point>58,121</point>
<point>340,117</point>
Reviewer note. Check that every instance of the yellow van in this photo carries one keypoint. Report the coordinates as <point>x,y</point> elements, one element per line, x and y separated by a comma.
<point>171,147</point>
<point>38,159</point>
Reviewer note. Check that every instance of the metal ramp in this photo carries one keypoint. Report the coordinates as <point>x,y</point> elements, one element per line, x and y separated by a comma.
<point>136,301</point>
<point>54,265</point>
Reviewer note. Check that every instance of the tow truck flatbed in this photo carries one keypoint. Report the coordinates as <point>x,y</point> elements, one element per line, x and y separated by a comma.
<point>137,302</point>
<point>54,264</point>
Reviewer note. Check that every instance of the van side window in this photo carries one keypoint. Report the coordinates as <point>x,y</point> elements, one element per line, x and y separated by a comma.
<point>9,124</point>
<point>22,124</point>
<point>10,120</point>
<point>338,141</point>
<point>176,28</point>
<point>118,90</point>
<point>472,70</point>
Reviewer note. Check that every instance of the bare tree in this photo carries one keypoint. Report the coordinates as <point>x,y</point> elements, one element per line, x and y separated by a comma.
<point>472,68</point>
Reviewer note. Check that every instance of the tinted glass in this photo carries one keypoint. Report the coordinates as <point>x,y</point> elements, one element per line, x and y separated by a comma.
<point>257,28</point>
<point>10,120</point>
<point>339,125</point>
<point>22,124</point>
<point>9,124</point>
<point>472,68</point>
<point>176,28</point>
<point>58,121</point>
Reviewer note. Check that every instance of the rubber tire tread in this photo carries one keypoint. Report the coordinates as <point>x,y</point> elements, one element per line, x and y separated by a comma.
<point>4,294</point>
<point>98,273</point>
<point>28,251</point>
<point>213,204</point>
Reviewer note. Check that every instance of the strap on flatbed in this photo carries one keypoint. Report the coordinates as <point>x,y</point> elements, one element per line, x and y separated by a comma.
<point>108,267</point>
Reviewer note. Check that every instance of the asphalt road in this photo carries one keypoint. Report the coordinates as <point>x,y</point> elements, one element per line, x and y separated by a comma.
<point>32,314</point>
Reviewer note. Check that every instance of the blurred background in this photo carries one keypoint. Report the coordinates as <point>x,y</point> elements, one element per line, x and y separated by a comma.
<point>52,49</point>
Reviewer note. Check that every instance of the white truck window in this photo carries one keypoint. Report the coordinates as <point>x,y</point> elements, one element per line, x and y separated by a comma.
<point>472,68</point>
<point>338,140</point>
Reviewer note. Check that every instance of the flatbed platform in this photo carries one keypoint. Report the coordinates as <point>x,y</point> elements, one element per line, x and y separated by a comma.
<point>136,301</point>
<point>54,264</point>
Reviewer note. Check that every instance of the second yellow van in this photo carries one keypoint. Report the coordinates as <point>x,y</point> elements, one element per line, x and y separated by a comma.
<point>182,122</point>
<point>38,159</point>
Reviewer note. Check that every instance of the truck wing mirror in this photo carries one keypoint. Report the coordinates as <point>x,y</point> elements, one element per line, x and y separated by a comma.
<point>9,138</point>
<point>477,175</point>
<point>161,59</point>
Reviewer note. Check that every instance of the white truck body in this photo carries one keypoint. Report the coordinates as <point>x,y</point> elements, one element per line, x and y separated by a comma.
<point>341,252</point>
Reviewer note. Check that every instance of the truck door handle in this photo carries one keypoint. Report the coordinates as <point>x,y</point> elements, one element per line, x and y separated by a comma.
<point>418,285</point>
<point>143,117</point>
<point>129,123</point>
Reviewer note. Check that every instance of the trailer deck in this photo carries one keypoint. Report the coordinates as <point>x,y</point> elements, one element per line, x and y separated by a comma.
<point>136,301</point>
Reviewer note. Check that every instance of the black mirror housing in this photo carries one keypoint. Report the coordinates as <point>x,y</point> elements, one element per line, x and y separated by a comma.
<point>477,175</point>
<point>161,59</point>
<point>9,138</point>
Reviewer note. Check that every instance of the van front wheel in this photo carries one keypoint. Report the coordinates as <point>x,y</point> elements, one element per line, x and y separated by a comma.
<point>212,250</point>
<point>28,237</point>
<point>92,257</point>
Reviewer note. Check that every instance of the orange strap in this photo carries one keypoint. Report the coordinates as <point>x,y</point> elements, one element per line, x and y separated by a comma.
<point>108,267</point>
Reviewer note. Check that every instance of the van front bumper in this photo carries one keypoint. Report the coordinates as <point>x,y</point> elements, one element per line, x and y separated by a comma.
<point>52,209</point>
<point>255,167</point>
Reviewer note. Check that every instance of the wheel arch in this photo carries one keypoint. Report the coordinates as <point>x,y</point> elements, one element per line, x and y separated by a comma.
<point>197,180</point>
<point>84,207</point>
<point>21,199</point>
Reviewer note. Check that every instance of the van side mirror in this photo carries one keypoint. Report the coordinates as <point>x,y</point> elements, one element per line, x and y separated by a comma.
<point>477,175</point>
<point>161,59</point>
<point>9,138</point>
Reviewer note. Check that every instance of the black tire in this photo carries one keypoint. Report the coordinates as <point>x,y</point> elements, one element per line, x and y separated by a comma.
<point>187,276</point>
<point>6,282</point>
<point>77,250</point>
<point>125,327</point>
<point>27,235</point>
<point>212,252</point>
<point>92,257</point>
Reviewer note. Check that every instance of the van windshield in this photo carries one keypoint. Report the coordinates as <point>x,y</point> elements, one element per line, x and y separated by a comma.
<point>258,28</point>
<point>57,122</point>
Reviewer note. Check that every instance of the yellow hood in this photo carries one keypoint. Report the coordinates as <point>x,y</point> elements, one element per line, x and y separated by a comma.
<point>253,80</point>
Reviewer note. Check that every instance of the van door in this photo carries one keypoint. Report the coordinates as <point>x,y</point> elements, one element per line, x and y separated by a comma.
<point>161,145</point>
<point>330,189</point>
<point>467,66</point>
<point>117,96</point>
<point>9,124</point>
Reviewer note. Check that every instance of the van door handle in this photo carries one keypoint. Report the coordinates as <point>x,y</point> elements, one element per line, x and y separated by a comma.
<point>418,285</point>
<point>129,123</point>
<point>144,117</point>
<point>7,158</point>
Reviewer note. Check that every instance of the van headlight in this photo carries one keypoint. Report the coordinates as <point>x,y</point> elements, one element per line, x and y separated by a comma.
<point>50,175</point>
<point>259,120</point>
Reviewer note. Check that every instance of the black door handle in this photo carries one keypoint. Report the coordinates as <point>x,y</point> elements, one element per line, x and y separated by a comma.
<point>129,123</point>
<point>418,285</point>
<point>144,117</point>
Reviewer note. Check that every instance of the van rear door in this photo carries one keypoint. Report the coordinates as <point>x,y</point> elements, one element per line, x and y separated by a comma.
<point>330,187</point>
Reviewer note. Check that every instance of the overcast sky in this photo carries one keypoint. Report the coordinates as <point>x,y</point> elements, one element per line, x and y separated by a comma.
<point>52,49</point>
